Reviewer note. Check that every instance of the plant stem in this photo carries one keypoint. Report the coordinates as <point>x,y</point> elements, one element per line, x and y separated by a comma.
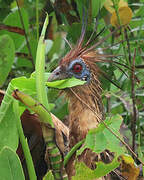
<point>134,114</point>
<point>25,147</point>
<point>72,151</point>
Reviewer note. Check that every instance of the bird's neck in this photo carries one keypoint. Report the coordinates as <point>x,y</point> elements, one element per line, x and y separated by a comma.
<point>85,110</point>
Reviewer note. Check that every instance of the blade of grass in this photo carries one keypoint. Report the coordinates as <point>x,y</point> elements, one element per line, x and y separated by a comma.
<point>40,68</point>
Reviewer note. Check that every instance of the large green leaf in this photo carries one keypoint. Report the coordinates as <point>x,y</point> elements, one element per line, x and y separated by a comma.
<point>101,138</point>
<point>7,53</point>
<point>10,166</point>
<point>8,129</point>
<point>97,141</point>
<point>27,85</point>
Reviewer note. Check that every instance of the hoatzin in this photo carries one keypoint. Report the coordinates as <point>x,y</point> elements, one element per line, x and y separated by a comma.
<point>85,103</point>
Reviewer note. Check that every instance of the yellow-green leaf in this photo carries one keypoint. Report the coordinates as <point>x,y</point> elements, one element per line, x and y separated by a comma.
<point>124,12</point>
<point>125,15</point>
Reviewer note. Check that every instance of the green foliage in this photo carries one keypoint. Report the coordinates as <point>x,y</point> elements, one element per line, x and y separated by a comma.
<point>10,166</point>
<point>7,53</point>
<point>101,138</point>
<point>26,85</point>
<point>40,68</point>
<point>96,6</point>
<point>84,173</point>
<point>98,140</point>
<point>66,83</point>
<point>35,106</point>
<point>8,129</point>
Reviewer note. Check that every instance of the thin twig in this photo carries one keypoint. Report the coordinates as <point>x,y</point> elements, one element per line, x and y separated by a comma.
<point>134,114</point>
<point>121,140</point>
<point>26,37</point>
<point>120,177</point>
<point>13,29</point>
<point>68,43</point>
<point>128,45</point>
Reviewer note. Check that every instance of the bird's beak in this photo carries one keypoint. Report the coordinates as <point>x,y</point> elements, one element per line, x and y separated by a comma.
<point>57,74</point>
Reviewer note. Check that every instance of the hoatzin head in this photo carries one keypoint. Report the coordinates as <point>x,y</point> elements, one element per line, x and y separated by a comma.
<point>76,67</point>
<point>79,62</point>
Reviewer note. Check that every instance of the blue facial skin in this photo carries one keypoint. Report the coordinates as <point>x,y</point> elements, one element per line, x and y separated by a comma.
<point>84,74</point>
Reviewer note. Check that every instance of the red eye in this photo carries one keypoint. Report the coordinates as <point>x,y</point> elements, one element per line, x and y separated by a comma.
<point>77,68</point>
